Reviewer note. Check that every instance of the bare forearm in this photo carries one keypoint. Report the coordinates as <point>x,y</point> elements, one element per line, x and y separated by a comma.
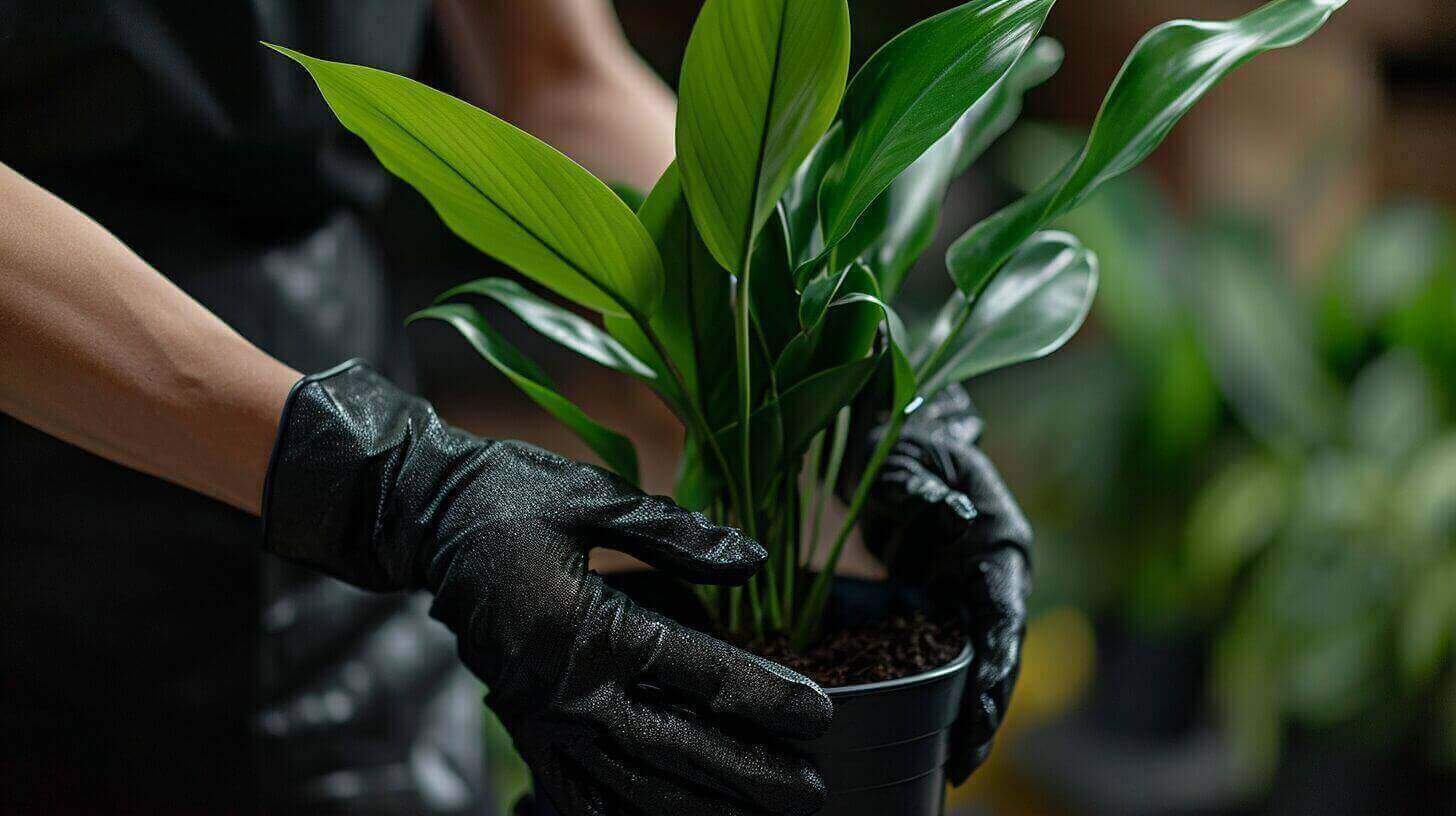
<point>564,71</point>
<point>100,350</point>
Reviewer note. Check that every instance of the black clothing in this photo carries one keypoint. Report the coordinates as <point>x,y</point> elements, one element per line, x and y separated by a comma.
<point>154,661</point>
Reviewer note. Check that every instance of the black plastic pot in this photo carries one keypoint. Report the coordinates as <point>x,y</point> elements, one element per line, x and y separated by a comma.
<point>886,752</point>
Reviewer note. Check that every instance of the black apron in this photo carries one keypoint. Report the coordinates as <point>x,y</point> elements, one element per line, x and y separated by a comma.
<point>151,659</point>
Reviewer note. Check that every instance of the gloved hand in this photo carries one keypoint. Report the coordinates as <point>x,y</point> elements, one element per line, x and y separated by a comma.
<point>940,517</point>
<point>369,485</point>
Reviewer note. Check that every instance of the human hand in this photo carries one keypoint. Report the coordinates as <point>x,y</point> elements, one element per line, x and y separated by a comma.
<point>941,516</point>
<point>368,484</point>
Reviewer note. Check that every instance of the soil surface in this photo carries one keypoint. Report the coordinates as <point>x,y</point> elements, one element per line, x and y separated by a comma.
<point>888,650</point>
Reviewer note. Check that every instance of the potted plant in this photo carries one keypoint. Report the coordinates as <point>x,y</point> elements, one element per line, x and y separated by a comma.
<point>752,288</point>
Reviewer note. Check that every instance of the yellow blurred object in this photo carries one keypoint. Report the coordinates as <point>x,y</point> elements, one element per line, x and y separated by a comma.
<point>1057,664</point>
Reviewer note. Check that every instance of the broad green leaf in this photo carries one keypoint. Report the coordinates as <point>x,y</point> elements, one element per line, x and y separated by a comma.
<point>761,81</point>
<point>695,315</point>
<point>505,192</point>
<point>558,324</point>
<point>1030,310</point>
<point>913,90</point>
<point>616,450</point>
<point>1168,71</point>
<point>901,223</point>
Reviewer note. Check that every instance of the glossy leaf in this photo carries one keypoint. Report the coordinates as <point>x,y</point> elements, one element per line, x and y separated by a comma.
<point>696,314</point>
<point>844,332</point>
<point>801,200</point>
<point>775,302</point>
<point>761,81</point>
<point>505,192</point>
<point>1169,70</point>
<point>903,386</point>
<point>901,223</point>
<point>616,450</point>
<point>807,407</point>
<point>913,90</point>
<point>555,323</point>
<point>1030,310</point>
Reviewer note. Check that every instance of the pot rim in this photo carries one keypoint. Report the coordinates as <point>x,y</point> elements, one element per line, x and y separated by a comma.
<point>959,663</point>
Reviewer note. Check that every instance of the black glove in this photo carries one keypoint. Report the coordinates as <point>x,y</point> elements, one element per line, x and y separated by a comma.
<point>369,485</point>
<point>940,517</point>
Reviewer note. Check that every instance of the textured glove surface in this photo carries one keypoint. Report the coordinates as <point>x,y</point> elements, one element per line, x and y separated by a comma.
<point>368,484</point>
<point>941,516</point>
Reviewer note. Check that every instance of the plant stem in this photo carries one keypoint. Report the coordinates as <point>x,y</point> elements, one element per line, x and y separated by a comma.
<point>819,592</point>
<point>825,485</point>
<point>742,330</point>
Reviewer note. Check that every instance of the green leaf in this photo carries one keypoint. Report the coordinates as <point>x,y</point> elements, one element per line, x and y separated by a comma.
<point>555,323</point>
<point>695,315</point>
<point>901,223</point>
<point>844,332</point>
<point>801,200</point>
<point>913,90</point>
<point>1428,628</point>
<point>775,302</point>
<point>761,81</point>
<point>809,406</point>
<point>805,409</point>
<point>1168,71</point>
<point>1258,341</point>
<point>631,196</point>
<point>903,386</point>
<point>1030,310</point>
<point>616,450</point>
<point>505,192</point>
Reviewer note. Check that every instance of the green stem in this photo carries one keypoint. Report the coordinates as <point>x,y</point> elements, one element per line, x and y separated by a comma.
<point>819,593</point>
<point>742,330</point>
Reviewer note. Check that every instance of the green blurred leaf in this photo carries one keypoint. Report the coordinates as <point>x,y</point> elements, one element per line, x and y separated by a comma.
<point>616,450</point>
<point>555,323</point>
<point>631,196</point>
<point>1168,71</point>
<point>761,81</point>
<point>1426,495</point>
<point>1258,341</point>
<point>1428,626</point>
<point>1394,407</point>
<point>913,90</point>
<point>901,223</point>
<point>505,192</point>
<point>1235,516</point>
<point>1033,308</point>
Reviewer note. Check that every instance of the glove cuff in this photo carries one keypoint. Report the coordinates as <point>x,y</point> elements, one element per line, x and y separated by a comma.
<point>343,437</point>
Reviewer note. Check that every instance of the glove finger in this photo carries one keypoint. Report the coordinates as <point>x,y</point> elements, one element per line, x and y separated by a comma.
<point>997,623</point>
<point>675,540</point>
<point>729,682</point>
<point>685,748</point>
<point>644,792</point>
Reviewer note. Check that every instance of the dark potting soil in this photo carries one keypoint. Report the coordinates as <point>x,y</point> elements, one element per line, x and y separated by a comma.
<point>886,650</point>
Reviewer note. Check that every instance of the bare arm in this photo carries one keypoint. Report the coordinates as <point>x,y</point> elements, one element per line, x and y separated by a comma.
<point>564,71</point>
<point>100,350</point>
